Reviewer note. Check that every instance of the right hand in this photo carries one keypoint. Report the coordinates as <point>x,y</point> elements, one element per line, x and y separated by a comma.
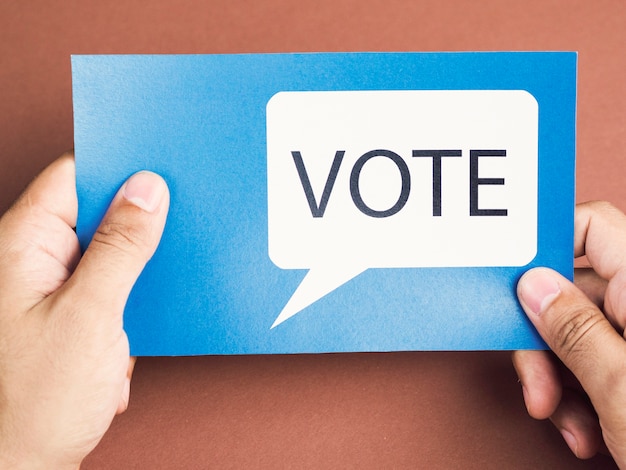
<point>584,326</point>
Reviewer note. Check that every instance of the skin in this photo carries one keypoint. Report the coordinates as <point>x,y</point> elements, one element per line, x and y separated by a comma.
<point>64,358</point>
<point>581,385</point>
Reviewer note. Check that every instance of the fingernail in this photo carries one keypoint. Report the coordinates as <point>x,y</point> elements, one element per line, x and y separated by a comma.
<point>571,441</point>
<point>537,289</point>
<point>145,190</point>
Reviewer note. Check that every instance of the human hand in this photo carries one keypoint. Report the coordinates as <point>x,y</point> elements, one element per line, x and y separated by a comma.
<point>64,357</point>
<point>584,325</point>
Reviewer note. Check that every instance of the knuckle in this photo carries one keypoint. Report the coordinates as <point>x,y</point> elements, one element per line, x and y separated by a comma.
<point>602,208</point>
<point>598,205</point>
<point>122,237</point>
<point>574,333</point>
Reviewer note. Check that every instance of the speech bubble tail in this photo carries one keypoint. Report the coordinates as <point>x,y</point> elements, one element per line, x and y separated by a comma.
<point>316,284</point>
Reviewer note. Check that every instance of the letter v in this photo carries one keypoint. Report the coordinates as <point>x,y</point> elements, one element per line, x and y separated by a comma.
<point>317,210</point>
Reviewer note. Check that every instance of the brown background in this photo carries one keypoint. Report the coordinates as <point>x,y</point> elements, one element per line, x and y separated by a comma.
<point>397,410</point>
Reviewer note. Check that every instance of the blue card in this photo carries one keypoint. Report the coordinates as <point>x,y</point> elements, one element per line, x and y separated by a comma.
<point>335,202</point>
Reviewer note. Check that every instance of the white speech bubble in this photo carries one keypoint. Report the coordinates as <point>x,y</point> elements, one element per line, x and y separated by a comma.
<point>397,179</point>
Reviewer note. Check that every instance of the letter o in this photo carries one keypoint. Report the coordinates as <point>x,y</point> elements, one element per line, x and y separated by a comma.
<point>404,176</point>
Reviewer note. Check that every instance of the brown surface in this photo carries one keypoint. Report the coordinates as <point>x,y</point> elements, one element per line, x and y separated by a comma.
<point>407,410</point>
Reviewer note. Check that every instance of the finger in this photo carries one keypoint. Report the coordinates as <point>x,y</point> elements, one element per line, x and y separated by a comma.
<point>131,366</point>
<point>615,301</point>
<point>578,424</point>
<point>599,234</point>
<point>125,241</point>
<point>592,285</point>
<point>574,328</point>
<point>39,249</point>
<point>541,382</point>
<point>52,192</point>
<point>610,297</point>
<point>125,397</point>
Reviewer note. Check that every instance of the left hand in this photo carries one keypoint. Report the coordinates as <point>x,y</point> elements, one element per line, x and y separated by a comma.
<point>64,357</point>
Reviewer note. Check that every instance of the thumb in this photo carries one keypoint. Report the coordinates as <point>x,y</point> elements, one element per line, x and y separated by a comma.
<point>124,242</point>
<point>574,328</point>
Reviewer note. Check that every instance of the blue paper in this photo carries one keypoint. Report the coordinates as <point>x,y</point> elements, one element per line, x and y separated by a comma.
<point>334,202</point>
